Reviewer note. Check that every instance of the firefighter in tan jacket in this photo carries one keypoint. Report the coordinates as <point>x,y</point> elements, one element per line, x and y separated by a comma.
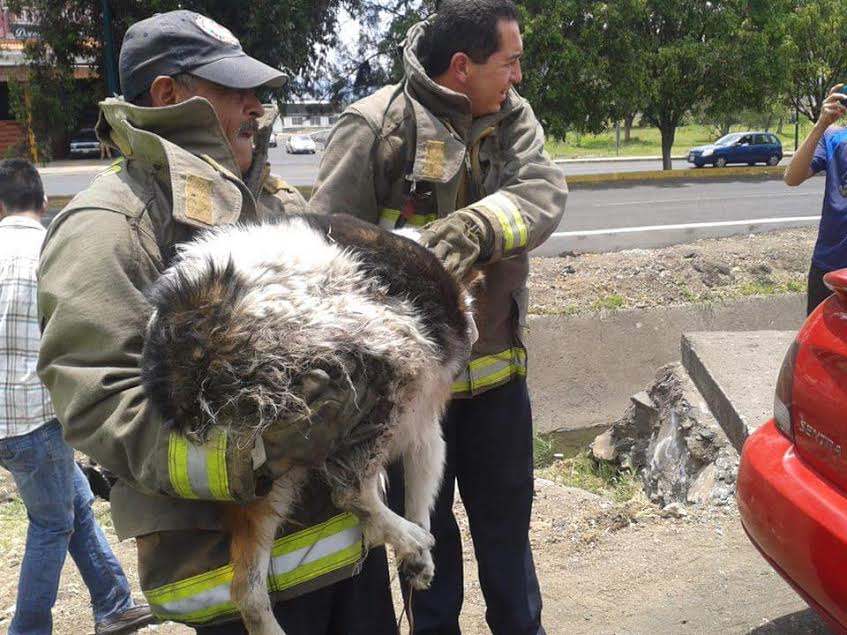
<point>186,132</point>
<point>455,151</point>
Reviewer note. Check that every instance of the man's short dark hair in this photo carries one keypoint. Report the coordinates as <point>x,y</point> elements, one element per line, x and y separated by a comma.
<point>21,189</point>
<point>464,26</point>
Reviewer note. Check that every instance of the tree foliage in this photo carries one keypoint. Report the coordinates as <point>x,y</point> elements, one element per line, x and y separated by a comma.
<point>815,45</point>
<point>290,34</point>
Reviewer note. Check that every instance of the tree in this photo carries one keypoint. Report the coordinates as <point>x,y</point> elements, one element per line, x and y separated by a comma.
<point>815,33</point>
<point>291,34</point>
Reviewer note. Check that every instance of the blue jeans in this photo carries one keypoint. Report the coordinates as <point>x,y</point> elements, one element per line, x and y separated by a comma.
<point>58,503</point>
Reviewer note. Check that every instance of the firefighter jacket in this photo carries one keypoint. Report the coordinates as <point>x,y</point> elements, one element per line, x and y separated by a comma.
<point>412,153</point>
<point>102,252</point>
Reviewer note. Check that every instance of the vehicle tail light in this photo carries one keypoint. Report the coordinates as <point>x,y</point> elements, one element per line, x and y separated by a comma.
<point>782,400</point>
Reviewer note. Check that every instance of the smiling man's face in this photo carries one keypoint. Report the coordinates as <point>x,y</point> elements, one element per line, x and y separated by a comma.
<point>237,110</point>
<point>489,83</point>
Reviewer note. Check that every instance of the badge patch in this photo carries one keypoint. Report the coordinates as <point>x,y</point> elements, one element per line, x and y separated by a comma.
<point>433,163</point>
<point>198,199</point>
<point>217,31</point>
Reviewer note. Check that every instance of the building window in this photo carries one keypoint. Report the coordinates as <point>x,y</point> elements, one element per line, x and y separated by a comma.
<point>297,121</point>
<point>333,120</point>
<point>315,121</point>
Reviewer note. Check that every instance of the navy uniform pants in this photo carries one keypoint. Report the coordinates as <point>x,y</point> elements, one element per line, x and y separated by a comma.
<point>489,454</point>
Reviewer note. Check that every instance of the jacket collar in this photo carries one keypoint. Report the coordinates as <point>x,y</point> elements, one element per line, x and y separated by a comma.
<point>443,120</point>
<point>186,147</point>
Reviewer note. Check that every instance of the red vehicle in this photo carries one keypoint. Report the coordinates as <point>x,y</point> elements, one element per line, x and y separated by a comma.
<point>792,481</point>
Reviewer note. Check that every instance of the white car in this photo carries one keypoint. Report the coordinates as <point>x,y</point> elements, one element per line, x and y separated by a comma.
<point>300,144</point>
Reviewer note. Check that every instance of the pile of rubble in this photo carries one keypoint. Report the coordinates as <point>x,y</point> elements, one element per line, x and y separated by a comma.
<point>670,438</point>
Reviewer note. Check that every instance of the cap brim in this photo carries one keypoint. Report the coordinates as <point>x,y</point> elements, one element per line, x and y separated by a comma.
<point>241,71</point>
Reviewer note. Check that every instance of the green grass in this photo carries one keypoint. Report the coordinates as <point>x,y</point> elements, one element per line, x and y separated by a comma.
<point>648,141</point>
<point>772,288</point>
<point>600,478</point>
<point>13,522</point>
<point>608,303</point>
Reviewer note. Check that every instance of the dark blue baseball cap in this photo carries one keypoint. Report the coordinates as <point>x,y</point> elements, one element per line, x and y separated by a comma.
<point>187,42</point>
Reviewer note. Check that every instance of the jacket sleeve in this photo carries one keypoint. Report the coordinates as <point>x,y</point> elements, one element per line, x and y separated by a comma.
<point>346,175</point>
<point>92,277</point>
<point>530,202</point>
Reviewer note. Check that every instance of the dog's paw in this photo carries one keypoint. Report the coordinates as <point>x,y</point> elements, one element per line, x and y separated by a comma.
<point>418,569</point>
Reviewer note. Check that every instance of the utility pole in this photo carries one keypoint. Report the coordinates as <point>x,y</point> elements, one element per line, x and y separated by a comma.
<point>112,87</point>
<point>797,122</point>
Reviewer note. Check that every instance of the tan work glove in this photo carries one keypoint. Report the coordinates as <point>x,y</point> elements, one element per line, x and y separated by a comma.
<point>459,241</point>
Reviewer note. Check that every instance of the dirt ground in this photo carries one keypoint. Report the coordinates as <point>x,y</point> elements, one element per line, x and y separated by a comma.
<point>604,568</point>
<point>701,271</point>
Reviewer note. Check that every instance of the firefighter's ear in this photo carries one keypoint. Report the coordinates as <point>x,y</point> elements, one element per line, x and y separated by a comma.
<point>164,92</point>
<point>459,68</point>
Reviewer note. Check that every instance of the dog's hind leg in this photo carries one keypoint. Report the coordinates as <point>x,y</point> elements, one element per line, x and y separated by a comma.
<point>253,528</point>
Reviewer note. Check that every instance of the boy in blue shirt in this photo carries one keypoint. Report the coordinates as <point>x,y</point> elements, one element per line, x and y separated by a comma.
<point>825,148</point>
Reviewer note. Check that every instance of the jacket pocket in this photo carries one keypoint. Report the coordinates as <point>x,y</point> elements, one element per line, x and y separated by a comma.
<point>520,297</point>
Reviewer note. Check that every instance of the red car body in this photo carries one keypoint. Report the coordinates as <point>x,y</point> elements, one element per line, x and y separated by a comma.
<point>792,480</point>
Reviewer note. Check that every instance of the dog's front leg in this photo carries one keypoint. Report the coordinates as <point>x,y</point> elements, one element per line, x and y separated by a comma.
<point>423,467</point>
<point>253,528</point>
<point>411,542</point>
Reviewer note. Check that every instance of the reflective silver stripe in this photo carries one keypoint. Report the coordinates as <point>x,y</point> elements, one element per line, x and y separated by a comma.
<point>297,558</point>
<point>288,562</point>
<point>196,603</point>
<point>198,471</point>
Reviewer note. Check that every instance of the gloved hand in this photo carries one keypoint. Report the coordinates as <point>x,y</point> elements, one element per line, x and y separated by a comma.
<point>458,241</point>
<point>335,406</point>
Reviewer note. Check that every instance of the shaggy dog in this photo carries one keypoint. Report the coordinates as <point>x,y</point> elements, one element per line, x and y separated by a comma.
<point>240,316</point>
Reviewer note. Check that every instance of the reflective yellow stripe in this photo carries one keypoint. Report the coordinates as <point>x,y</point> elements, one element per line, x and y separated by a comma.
<point>490,370</point>
<point>509,217</point>
<point>388,218</point>
<point>300,557</point>
<point>178,466</point>
<point>199,472</point>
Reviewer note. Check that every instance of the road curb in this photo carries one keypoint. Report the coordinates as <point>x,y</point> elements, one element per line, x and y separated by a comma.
<point>58,201</point>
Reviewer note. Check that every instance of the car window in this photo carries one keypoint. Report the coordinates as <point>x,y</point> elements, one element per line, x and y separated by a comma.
<point>727,140</point>
<point>85,135</point>
<point>774,139</point>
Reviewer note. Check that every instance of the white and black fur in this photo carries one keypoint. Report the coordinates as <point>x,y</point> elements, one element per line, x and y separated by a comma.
<point>245,310</point>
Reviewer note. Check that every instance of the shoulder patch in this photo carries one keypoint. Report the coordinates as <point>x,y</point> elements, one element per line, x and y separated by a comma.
<point>198,199</point>
<point>433,163</point>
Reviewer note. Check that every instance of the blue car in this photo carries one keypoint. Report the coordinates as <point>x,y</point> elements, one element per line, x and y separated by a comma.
<point>739,147</point>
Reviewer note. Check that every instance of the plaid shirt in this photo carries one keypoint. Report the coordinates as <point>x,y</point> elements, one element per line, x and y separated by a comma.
<point>24,401</point>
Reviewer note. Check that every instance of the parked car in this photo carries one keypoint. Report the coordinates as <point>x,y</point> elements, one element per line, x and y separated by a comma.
<point>272,140</point>
<point>300,144</point>
<point>792,480</point>
<point>84,143</point>
<point>739,147</point>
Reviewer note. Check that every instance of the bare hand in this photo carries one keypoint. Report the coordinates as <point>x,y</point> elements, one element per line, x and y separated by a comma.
<point>833,107</point>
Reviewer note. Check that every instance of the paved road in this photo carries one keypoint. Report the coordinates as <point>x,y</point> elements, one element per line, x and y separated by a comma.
<point>641,215</point>
<point>607,217</point>
<point>302,169</point>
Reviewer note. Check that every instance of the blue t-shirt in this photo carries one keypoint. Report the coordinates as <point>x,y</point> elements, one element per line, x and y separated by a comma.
<point>831,154</point>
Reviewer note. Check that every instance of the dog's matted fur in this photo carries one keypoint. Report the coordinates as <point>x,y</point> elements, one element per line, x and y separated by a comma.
<point>246,310</point>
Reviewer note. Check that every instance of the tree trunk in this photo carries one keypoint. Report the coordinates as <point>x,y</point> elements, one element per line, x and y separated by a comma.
<point>726,125</point>
<point>768,122</point>
<point>779,125</point>
<point>668,133</point>
<point>628,120</point>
